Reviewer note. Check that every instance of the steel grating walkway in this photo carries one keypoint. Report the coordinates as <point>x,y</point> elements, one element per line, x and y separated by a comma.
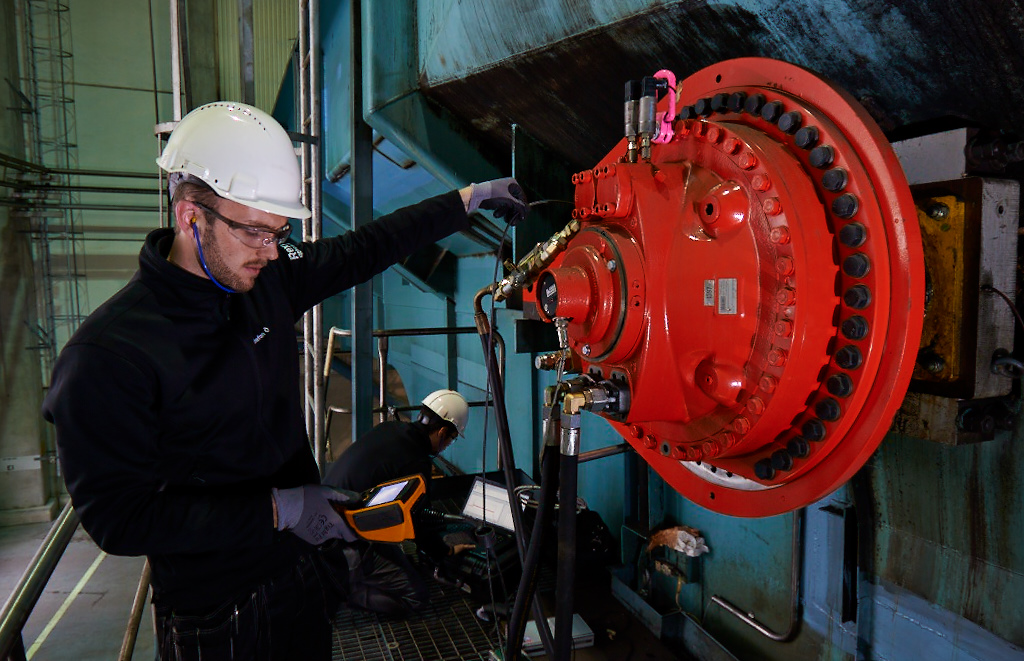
<point>447,630</point>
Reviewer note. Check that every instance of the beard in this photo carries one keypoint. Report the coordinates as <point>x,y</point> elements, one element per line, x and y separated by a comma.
<point>218,267</point>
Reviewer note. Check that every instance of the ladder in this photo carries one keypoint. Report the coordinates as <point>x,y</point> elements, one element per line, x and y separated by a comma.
<point>312,166</point>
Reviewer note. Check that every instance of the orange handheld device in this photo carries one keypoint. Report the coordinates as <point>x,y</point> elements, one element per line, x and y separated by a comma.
<point>384,513</point>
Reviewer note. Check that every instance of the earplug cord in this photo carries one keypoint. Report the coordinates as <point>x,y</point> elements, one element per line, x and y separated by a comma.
<point>202,261</point>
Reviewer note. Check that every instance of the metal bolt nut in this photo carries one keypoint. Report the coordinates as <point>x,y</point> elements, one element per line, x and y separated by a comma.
<point>772,111</point>
<point>611,265</point>
<point>782,460</point>
<point>799,447</point>
<point>845,206</point>
<point>857,265</point>
<point>822,156</point>
<point>790,122</point>
<point>835,179</point>
<point>849,357</point>
<point>763,469</point>
<point>937,211</point>
<point>585,350</point>
<point>806,137</point>
<point>828,409</point>
<point>754,103</point>
<point>813,430</point>
<point>839,385</point>
<point>853,235</point>
<point>857,297</point>
<point>779,235</point>
<point>737,101</point>
<point>855,328</point>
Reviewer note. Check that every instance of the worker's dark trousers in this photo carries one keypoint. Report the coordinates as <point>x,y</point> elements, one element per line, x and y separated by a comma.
<point>383,580</point>
<point>288,617</point>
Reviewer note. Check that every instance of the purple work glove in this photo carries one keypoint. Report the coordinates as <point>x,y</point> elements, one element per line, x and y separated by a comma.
<point>308,513</point>
<point>504,197</point>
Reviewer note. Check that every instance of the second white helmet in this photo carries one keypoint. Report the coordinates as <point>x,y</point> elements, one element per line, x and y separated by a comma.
<point>449,405</point>
<point>242,153</point>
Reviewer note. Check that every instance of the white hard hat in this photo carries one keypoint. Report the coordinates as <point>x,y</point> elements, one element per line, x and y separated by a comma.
<point>242,153</point>
<point>449,405</point>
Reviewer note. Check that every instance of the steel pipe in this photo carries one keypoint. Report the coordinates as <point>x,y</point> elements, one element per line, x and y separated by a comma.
<point>135,618</point>
<point>601,453</point>
<point>24,597</point>
<point>796,568</point>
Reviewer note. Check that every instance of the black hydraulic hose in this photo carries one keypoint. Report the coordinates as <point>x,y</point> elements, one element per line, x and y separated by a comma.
<point>508,464</point>
<point>505,450</point>
<point>528,582</point>
<point>505,453</point>
<point>567,474</point>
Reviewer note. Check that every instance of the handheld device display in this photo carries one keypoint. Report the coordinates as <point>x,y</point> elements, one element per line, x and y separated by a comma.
<point>384,513</point>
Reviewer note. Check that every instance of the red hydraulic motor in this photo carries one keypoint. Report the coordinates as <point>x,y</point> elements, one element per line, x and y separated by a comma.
<point>749,271</point>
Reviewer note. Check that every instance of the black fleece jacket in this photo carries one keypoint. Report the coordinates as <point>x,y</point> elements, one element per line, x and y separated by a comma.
<point>387,452</point>
<point>178,406</point>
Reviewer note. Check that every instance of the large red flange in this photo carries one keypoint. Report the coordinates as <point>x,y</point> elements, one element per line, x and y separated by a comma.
<point>758,286</point>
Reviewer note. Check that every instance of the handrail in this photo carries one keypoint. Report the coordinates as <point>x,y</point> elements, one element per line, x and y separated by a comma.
<point>414,332</point>
<point>21,602</point>
<point>131,634</point>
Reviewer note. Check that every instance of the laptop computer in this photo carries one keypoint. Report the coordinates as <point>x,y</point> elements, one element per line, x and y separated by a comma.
<point>487,503</point>
<point>478,501</point>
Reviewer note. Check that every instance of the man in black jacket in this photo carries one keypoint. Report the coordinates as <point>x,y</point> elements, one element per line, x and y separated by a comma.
<point>177,403</point>
<point>382,578</point>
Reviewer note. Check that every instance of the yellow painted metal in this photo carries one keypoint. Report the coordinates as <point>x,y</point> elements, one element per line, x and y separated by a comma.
<point>943,221</point>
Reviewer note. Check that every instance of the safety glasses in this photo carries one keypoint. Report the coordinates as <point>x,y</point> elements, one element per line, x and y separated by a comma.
<point>254,237</point>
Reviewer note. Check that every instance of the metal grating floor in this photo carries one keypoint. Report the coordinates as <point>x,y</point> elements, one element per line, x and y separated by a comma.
<point>447,630</point>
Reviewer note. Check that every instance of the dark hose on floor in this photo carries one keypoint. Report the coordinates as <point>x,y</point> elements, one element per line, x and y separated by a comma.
<point>566,555</point>
<point>528,582</point>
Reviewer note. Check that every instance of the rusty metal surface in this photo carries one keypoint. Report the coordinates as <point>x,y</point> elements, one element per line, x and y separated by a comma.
<point>951,256</point>
<point>908,62</point>
<point>947,526</point>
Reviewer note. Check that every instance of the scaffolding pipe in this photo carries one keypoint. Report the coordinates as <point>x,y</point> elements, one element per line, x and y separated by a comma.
<point>499,341</point>
<point>175,61</point>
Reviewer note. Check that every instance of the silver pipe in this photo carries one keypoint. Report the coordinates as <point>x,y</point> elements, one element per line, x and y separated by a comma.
<point>20,185</point>
<point>131,634</point>
<point>382,358</point>
<point>24,597</point>
<point>796,568</point>
<point>601,453</point>
<point>88,207</point>
<point>175,62</point>
<point>409,332</point>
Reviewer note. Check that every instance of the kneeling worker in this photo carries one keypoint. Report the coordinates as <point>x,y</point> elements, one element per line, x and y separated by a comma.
<point>382,578</point>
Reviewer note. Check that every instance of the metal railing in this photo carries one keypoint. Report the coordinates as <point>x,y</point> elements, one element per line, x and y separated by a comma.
<point>383,336</point>
<point>24,597</point>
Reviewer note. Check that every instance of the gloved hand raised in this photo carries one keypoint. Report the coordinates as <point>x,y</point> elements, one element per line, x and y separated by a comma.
<point>504,197</point>
<point>308,513</point>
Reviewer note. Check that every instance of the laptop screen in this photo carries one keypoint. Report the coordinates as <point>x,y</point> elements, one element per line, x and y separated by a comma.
<point>489,502</point>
